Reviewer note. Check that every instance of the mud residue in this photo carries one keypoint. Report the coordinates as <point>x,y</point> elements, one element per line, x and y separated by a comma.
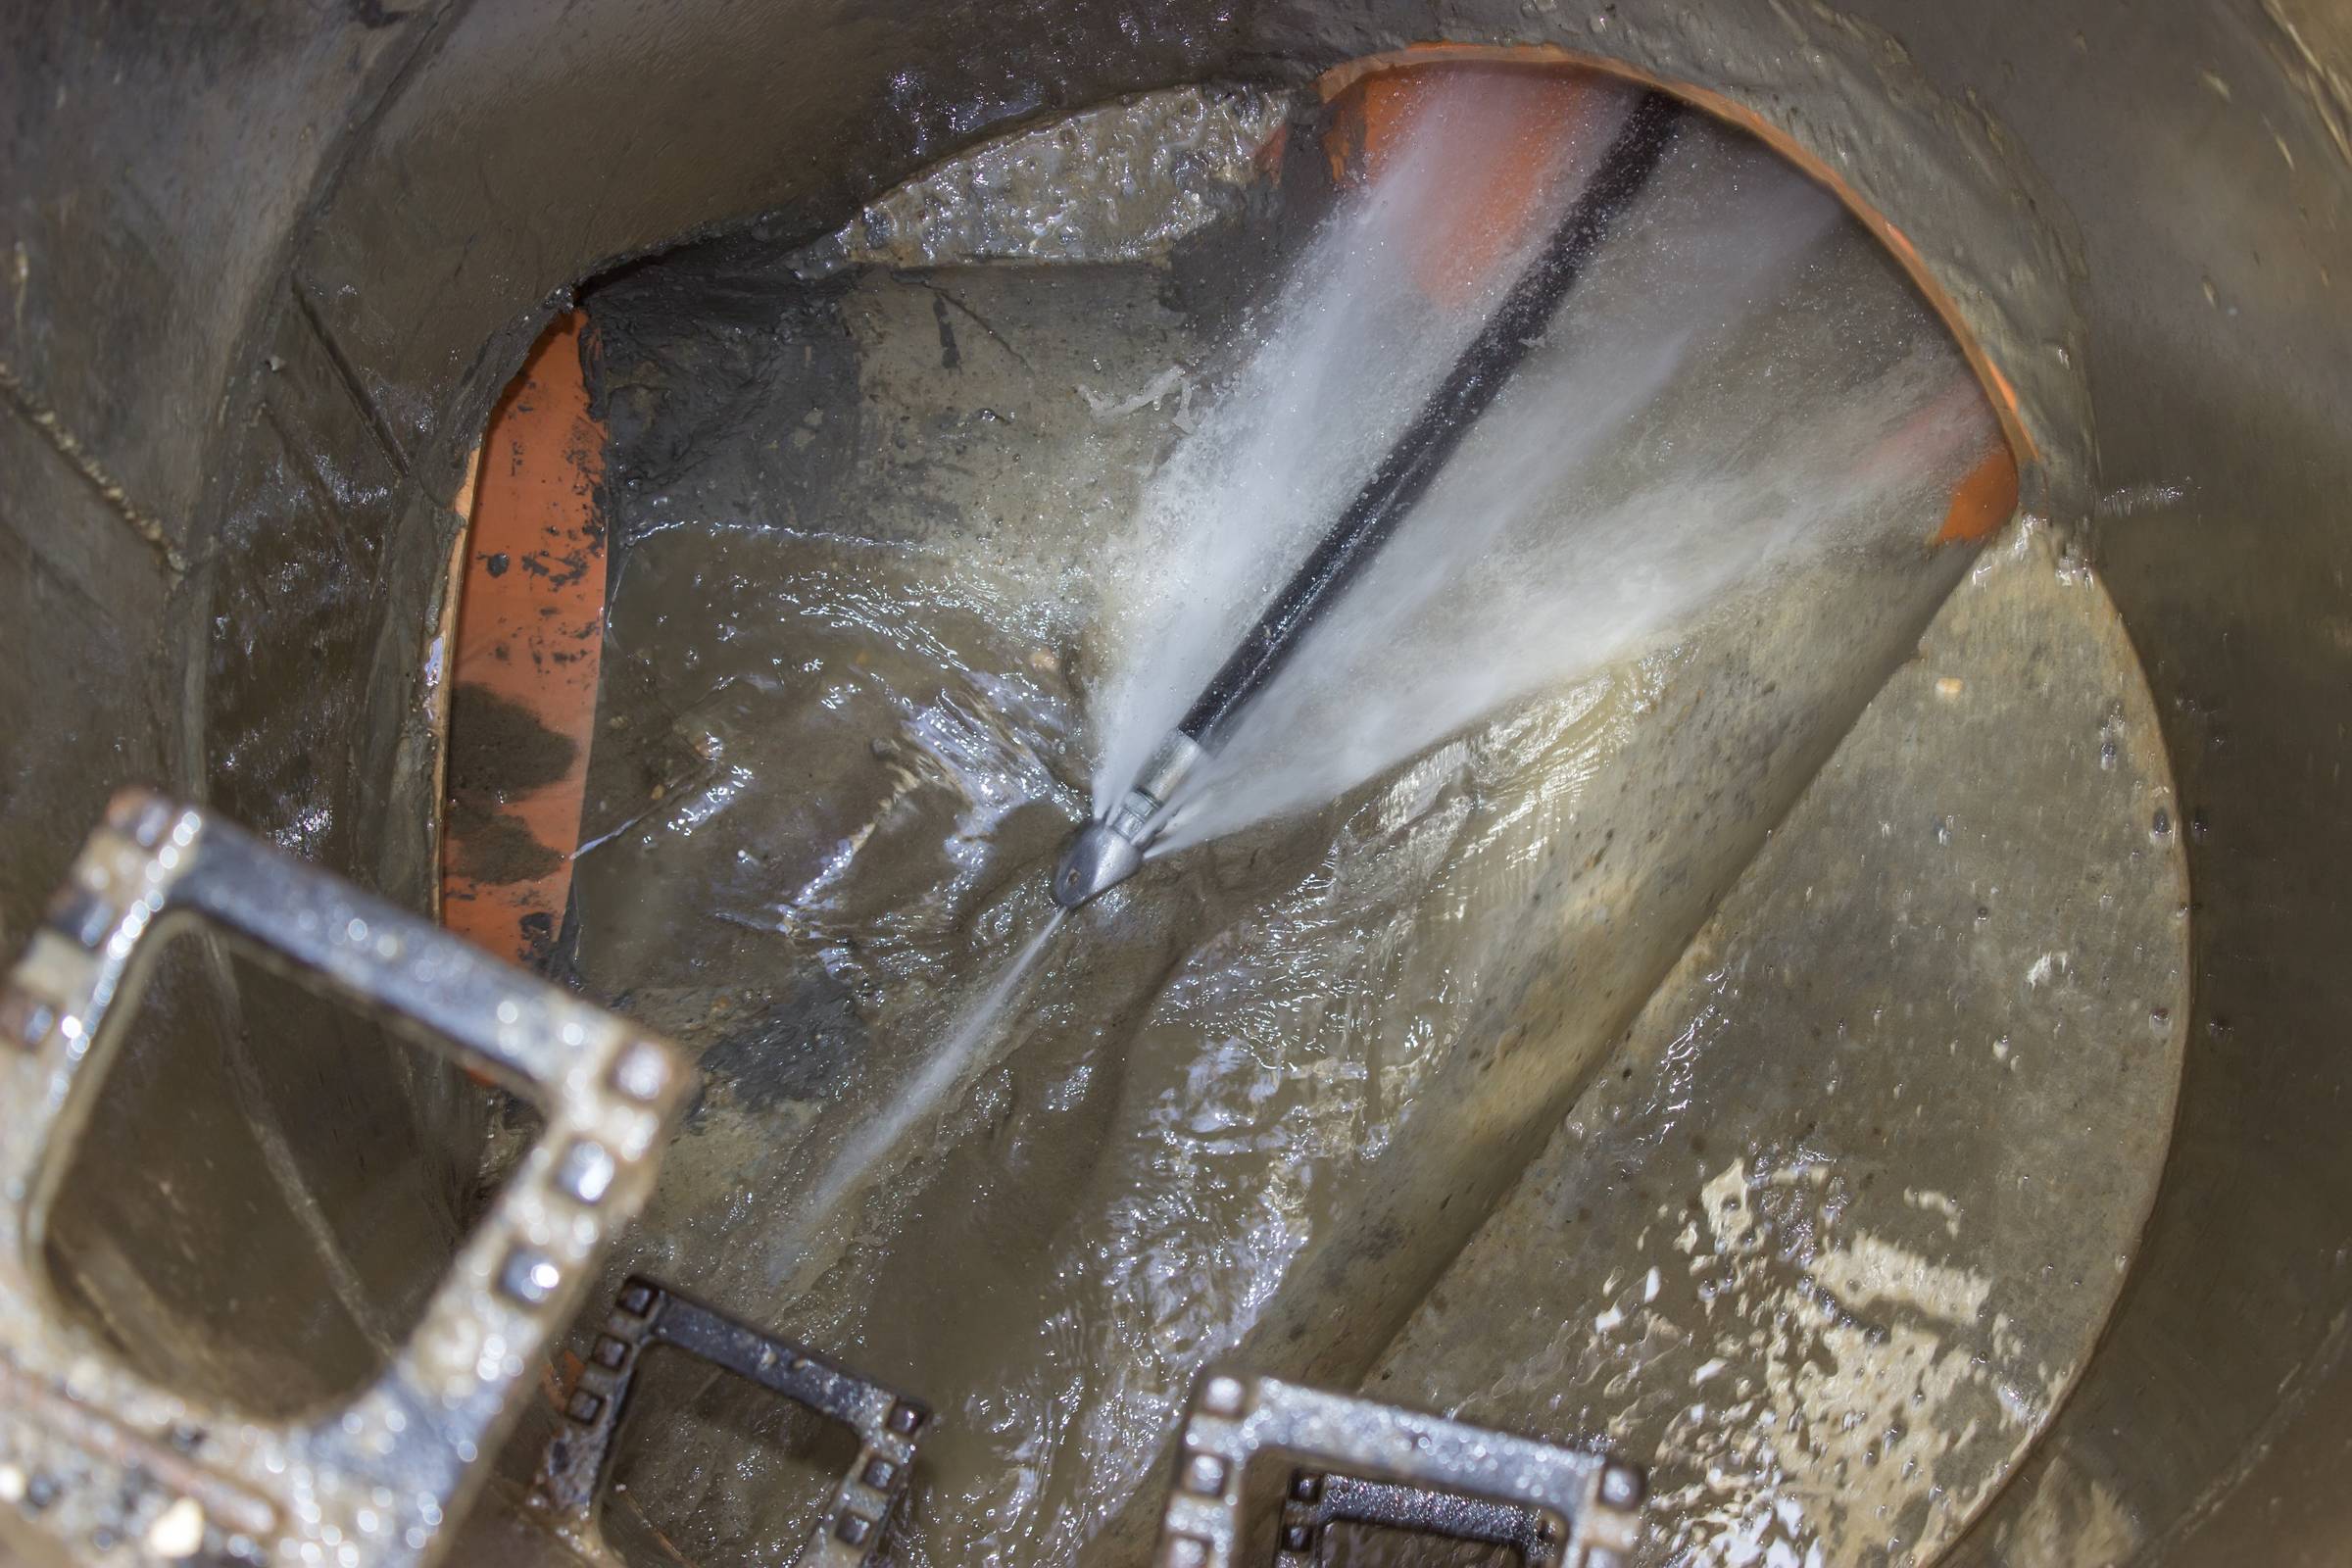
<point>492,846</point>
<point>498,751</point>
<point>730,389</point>
<point>799,1046</point>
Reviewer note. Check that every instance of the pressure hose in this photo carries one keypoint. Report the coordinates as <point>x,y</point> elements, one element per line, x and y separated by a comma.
<point>1107,851</point>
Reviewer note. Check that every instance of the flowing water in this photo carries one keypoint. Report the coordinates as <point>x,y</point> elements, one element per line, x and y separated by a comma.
<point>951,1067</point>
<point>909,566</point>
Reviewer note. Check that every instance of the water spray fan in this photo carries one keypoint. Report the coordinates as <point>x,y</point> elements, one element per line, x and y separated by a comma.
<point>1110,848</point>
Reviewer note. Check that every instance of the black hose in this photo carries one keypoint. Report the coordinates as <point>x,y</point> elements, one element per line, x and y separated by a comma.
<point>1407,468</point>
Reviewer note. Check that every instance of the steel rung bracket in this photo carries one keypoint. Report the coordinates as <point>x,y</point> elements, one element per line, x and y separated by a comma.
<point>1373,1463</point>
<point>117,1470</point>
<point>646,1314</point>
<point>1316,1501</point>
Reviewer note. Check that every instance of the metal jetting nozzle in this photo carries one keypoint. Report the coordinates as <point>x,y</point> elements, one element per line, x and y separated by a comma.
<point>1107,851</point>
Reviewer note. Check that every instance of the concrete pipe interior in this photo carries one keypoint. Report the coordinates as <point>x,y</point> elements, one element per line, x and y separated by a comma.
<point>704,502</point>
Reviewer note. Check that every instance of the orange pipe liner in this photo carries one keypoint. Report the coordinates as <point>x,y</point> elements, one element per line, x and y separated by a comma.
<point>1481,212</point>
<point>530,623</point>
<point>1373,102</point>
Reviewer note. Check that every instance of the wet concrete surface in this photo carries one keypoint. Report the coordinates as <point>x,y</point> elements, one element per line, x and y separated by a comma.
<point>2197,300</point>
<point>1833,1238</point>
<point>857,529</point>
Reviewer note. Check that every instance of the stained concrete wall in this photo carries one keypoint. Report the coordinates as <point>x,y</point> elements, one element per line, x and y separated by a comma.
<point>265,269</point>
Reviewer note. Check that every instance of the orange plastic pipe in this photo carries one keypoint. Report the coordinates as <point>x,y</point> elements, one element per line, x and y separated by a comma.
<point>531,630</point>
<point>1485,209</point>
<point>1372,97</point>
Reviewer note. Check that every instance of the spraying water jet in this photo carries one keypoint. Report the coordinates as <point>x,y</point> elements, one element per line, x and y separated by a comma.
<point>1108,850</point>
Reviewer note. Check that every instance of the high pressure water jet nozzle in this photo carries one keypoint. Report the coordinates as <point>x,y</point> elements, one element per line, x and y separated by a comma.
<point>1098,858</point>
<point>1103,853</point>
<point>1108,851</point>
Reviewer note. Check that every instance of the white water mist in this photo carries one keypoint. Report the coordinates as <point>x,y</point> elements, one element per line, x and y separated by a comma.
<point>1650,458</point>
<point>1340,359</point>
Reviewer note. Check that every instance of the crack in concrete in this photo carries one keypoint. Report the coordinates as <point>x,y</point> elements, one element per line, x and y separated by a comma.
<point>85,464</point>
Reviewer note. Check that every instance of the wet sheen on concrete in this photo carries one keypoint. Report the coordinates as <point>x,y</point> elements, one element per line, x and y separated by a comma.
<point>1838,1233</point>
<point>856,523</point>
